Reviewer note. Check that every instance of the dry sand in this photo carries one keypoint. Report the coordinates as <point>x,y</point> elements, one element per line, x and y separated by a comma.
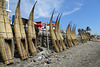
<point>82,55</point>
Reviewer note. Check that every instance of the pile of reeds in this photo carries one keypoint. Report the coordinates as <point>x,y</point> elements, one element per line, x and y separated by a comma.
<point>20,35</point>
<point>31,34</point>
<point>71,36</point>
<point>6,36</point>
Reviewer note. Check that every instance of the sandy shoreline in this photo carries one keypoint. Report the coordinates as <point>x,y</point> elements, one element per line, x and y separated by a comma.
<point>82,55</point>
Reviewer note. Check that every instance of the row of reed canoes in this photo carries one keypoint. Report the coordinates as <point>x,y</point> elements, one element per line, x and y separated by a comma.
<point>20,35</point>
<point>27,41</point>
<point>22,39</point>
<point>56,37</point>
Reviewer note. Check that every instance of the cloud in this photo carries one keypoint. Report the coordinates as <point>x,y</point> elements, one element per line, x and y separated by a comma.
<point>70,12</point>
<point>79,4</point>
<point>44,8</point>
<point>77,7</point>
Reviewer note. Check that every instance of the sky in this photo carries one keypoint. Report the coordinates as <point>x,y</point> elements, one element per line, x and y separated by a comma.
<point>83,13</point>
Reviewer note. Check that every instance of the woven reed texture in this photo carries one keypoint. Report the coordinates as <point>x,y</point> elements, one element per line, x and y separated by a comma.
<point>31,42</point>
<point>31,34</point>
<point>9,50</point>
<point>6,36</point>
<point>73,38</point>
<point>17,30</point>
<point>3,51</point>
<point>20,35</point>
<point>2,25</point>
<point>22,30</point>
<point>6,51</point>
<point>52,34</point>
<point>21,49</point>
<point>32,47</point>
<point>73,34</point>
<point>20,26</point>
<point>68,36</point>
<point>60,35</point>
<point>7,25</point>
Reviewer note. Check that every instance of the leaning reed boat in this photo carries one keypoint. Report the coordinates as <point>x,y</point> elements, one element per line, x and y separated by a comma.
<point>6,36</point>
<point>57,35</point>
<point>60,35</point>
<point>74,34</point>
<point>52,34</point>
<point>68,36</point>
<point>20,35</point>
<point>31,34</point>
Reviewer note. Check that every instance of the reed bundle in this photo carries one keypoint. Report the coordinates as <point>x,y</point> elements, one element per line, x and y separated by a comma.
<point>73,35</point>
<point>6,36</point>
<point>59,44</point>
<point>52,34</point>
<point>60,35</point>
<point>68,36</point>
<point>20,35</point>
<point>31,34</point>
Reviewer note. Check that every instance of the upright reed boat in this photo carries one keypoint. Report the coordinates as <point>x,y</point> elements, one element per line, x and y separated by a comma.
<point>60,35</point>
<point>31,34</point>
<point>52,34</point>
<point>75,39</point>
<point>6,36</point>
<point>20,35</point>
<point>57,35</point>
<point>68,36</point>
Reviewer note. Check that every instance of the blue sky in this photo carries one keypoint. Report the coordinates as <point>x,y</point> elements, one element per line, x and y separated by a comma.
<point>83,13</point>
